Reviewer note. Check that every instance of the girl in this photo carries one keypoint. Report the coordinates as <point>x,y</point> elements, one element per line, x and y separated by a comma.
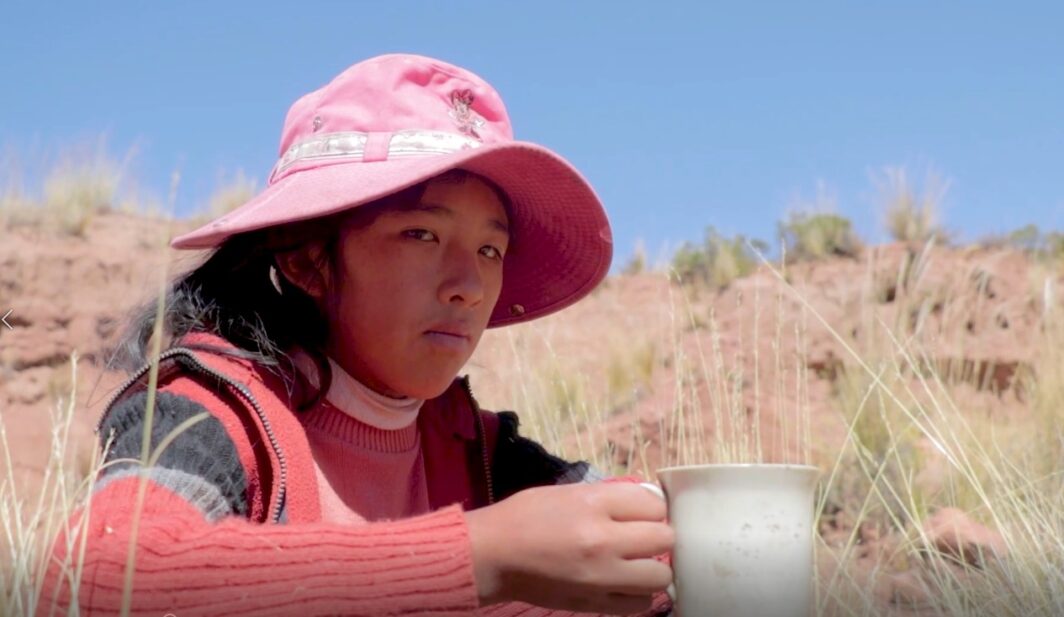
<point>316,453</point>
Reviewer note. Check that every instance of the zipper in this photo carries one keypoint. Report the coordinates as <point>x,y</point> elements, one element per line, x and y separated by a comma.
<point>127,384</point>
<point>481,438</point>
<point>235,385</point>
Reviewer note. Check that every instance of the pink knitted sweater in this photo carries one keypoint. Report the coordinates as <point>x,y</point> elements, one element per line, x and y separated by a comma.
<point>367,451</point>
<point>390,478</point>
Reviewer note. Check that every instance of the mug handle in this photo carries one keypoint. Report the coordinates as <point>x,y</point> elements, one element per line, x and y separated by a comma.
<point>654,488</point>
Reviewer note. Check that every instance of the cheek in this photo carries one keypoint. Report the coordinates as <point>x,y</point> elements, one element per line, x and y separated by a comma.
<point>494,289</point>
<point>379,305</point>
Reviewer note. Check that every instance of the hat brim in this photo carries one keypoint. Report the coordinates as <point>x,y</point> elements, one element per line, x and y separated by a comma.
<point>562,245</point>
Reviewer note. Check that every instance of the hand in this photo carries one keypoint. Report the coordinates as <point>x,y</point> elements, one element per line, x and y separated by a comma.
<point>577,547</point>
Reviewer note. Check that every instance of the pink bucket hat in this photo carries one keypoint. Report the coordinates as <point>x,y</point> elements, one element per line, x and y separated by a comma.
<point>396,120</point>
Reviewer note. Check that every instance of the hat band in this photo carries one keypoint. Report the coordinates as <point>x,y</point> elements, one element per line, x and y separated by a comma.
<point>352,145</point>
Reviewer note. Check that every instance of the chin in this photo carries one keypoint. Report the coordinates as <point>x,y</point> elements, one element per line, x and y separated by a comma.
<point>430,388</point>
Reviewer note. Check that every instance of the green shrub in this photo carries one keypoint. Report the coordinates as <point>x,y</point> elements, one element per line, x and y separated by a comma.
<point>818,235</point>
<point>1028,239</point>
<point>1045,246</point>
<point>719,260</point>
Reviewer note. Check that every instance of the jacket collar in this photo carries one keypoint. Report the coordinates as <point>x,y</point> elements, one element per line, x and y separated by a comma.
<point>443,413</point>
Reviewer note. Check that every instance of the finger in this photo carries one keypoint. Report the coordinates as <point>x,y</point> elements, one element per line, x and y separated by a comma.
<point>598,603</point>
<point>642,539</point>
<point>641,577</point>
<point>631,502</point>
<point>627,604</point>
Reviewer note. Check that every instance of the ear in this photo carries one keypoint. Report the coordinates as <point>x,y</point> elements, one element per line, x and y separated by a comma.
<point>306,268</point>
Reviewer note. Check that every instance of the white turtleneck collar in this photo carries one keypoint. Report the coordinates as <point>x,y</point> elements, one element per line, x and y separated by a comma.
<point>359,401</point>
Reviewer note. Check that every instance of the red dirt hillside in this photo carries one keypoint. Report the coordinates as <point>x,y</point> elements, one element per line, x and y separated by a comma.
<point>607,379</point>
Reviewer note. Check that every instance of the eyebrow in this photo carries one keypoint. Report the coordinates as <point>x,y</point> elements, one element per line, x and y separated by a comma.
<point>440,210</point>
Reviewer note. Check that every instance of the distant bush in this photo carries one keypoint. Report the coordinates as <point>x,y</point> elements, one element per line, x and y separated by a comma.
<point>718,261</point>
<point>911,213</point>
<point>75,191</point>
<point>637,264</point>
<point>15,209</point>
<point>819,235</point>
<point>1047,246</point>
<point>84,181</point>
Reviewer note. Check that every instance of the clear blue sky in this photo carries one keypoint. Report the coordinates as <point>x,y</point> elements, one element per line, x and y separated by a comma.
<point>681,114</point>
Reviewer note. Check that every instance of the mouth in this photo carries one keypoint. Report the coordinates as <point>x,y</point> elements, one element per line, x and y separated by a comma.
<point>450,341</point>
<point>456,329</point>
<point>454,336</point>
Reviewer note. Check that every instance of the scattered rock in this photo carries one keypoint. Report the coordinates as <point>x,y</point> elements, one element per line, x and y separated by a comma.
<point>954,533</point>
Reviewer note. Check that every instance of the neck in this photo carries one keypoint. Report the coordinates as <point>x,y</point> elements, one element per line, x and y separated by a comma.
<point>359,400</point>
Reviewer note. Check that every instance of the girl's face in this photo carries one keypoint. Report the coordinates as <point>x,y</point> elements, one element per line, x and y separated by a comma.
<point>417,287</point>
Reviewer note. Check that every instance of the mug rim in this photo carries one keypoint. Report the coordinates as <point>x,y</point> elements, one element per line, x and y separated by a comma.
<point>708,466</point>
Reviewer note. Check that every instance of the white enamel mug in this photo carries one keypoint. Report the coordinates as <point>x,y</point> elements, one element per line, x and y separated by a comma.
<point>744,539</point>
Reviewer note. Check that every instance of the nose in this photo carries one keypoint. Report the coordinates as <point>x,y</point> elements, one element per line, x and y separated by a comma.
<point>463,282</point>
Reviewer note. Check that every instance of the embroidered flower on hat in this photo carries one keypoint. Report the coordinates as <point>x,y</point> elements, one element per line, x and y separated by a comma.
<point>463,115</point>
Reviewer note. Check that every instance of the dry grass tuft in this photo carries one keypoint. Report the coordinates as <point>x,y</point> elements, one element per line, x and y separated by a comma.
<point>232,194</point>
<point>912,211</point>
<point>83,181</point>
<point>638,262</point>
<point>30,524</point>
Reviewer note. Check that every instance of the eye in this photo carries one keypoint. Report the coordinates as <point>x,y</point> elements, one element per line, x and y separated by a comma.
<point>493,252</point>
<point>420,234</point>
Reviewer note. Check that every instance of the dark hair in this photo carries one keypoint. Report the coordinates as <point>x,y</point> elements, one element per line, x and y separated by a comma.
<point>231,294</point>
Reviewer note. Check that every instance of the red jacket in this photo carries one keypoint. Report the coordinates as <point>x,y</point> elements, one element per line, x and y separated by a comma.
<point>196,559</point>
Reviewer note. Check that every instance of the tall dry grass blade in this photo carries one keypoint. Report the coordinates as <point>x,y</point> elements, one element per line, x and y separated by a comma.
<point>149,415</point>
<point>759,454</point>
